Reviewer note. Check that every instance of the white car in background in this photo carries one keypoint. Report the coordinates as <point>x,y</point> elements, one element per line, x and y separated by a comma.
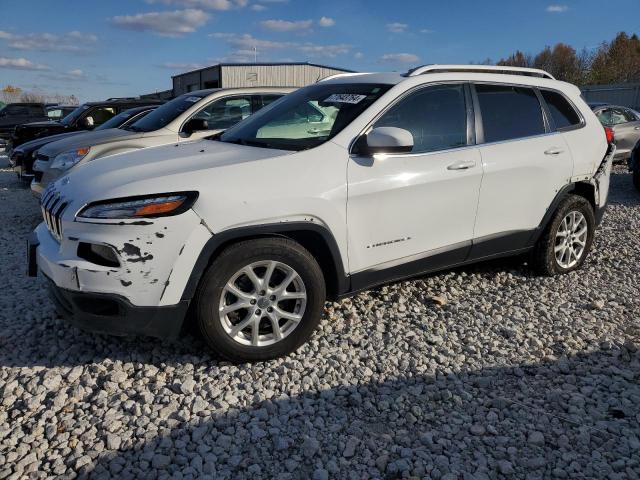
<point>191,116</point>
<point>340,186</point>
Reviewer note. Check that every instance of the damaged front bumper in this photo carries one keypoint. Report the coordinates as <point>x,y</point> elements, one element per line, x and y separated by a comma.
<point>142,293</point>
<point>601,181</point>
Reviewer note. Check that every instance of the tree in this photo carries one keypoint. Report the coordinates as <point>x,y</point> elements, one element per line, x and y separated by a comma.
<point>560,61</point>
<point>517,59</point>
<point>10,94</point>
<point>618,61</point>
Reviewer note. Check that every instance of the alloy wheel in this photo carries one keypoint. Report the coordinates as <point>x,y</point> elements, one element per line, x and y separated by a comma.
<point>262,303</point>
<point>571,239</point>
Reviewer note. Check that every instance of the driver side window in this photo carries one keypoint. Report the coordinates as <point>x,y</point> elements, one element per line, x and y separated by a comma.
<point>226,112</point>
<point>436,117</point>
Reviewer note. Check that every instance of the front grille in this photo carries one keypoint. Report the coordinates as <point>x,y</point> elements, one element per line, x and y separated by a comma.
<point>53,206</point>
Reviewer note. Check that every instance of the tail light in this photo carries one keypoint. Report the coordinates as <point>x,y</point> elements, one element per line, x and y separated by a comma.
<point>610,135</point>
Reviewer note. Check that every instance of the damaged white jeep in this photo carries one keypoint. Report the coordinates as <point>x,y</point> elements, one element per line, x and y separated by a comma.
<point>352,182</point>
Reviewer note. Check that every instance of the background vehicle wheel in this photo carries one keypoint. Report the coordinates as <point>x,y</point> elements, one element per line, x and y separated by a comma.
<point>260,299</point>
<point>636,179</point>
<point>567,240</point>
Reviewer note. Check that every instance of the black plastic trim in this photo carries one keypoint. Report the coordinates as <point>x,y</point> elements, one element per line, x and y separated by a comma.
<point>115,315</point>
<point>279,229</point>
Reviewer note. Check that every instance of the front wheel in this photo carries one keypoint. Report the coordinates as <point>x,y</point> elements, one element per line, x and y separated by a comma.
<point>567,240</point>
<point>260,299</point>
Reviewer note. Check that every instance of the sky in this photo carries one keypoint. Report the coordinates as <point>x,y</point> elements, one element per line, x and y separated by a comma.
<point>97,49</point>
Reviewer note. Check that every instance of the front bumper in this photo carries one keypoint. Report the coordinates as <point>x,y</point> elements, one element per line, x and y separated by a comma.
<point>143,295</point>
<point>115,315</point>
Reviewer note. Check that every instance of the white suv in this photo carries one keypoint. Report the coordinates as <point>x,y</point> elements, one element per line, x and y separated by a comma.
<point>191,116</point>
<point>342,185</point>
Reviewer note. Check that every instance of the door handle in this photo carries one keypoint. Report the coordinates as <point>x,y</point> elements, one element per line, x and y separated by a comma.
<point>554,151</point>
<point>461,165</point>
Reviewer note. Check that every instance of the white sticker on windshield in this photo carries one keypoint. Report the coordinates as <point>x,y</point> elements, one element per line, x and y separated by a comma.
<point>345,98</point>
<point>192,99</point>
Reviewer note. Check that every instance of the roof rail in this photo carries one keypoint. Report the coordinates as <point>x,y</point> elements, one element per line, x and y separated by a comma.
<point>112,99</point>
<point>336,75</point>
<point>531,72</point>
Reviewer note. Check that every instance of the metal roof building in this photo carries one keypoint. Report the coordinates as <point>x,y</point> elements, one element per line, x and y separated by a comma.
<point>237,75</point>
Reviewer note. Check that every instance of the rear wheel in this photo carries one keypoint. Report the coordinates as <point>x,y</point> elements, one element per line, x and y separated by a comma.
<point>567,240</point>
<point>260,299</point>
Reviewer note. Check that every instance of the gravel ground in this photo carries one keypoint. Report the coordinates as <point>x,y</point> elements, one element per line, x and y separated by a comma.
<point>502,375</point>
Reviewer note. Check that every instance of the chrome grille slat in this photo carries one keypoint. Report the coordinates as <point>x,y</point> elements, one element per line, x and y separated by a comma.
<point>53,206</point>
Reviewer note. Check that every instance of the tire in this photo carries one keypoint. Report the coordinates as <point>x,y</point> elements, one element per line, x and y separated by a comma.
<point>636,179</point>
<point>226,286</point>
<point>544,258</point>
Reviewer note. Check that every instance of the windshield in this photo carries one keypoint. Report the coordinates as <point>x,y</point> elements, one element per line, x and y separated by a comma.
<point>307,117</point>
<point>69,119</point>
<point>120,120</point>
<point>165,114</point>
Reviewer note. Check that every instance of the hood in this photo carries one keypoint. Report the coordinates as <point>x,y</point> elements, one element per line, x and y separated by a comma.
<point>32,145</point>
<point>169,168</point>
<point>44,123</point>
<point>86,139</point>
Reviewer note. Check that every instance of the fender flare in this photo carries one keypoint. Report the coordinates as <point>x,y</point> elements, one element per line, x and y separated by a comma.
<point>219,240</point>
<point>560,196</point>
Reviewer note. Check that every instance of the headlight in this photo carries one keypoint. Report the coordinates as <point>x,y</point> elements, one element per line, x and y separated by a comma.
<point>141,207</point>
<point>66,160</point>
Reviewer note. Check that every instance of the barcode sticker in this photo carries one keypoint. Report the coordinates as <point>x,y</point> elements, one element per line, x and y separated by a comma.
<point>345,98</point>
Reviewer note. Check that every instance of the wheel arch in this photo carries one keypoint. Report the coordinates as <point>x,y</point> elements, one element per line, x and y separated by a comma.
<point>314,237</point>
<point>583,189</point>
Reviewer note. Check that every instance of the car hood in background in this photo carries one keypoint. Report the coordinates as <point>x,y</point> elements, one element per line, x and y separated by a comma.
<point>31,145</point>
<point>87,139</point>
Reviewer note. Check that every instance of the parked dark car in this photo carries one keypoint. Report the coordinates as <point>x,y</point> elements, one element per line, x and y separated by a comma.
<point>85,117</point>
<point>23,156</point>
<point>14,114</point>
<point>625,123</point>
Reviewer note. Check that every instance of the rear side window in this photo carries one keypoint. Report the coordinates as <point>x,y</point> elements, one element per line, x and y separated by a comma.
<point>563,114</point>
<point>435,116</point>
<point>509,112</point>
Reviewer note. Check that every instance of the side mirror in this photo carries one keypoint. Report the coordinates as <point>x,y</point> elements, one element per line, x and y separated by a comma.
<point>385,140</point>
<point>195,125</point>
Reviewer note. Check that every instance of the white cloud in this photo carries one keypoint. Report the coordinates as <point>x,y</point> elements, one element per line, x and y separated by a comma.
<point>70,76</point>
<point>326,22</point>
<point>167,24</point>
<point>426,30</point>
<point>256,7</point>
<point>557,8</point>
<point>204,4</point>
<point>397,27</point>
<point>285,25</point>
<point>20,64</point>
<point>399,58</point>
<point>358,55</point>
<point>243,45</point>
<point>45,42</point>
<point>183,67</point>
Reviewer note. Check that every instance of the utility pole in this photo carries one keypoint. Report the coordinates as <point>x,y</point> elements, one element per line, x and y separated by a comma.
<point>255,54</point>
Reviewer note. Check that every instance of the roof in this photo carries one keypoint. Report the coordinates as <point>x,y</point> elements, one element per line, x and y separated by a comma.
<point>127,101</point>
<point>265,64</point>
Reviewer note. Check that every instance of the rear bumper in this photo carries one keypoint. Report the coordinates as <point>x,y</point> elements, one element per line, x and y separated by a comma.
<point>115,315</point>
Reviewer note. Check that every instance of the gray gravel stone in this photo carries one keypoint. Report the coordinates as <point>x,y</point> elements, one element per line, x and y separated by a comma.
<point>509,375</point>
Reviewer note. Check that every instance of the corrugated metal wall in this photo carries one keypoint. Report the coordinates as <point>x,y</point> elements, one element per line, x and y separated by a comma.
<point>273,75</point>
<point>626,94</point>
